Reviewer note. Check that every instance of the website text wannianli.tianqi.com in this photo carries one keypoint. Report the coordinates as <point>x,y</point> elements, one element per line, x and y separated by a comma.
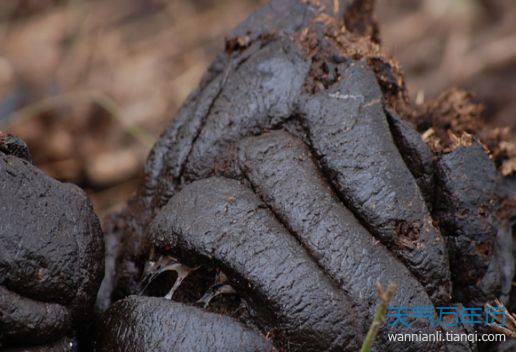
<point>439,336</point>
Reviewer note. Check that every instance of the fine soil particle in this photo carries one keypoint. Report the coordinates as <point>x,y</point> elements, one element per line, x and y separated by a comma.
<point>11,145</point>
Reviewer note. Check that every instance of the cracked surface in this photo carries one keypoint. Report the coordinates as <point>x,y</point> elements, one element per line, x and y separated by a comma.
<point>156,324</point>
<point>261,258</point>
<point>283,171</point>
<point>291,179</point>
<point>293,171</point>
<point>467,193</point>
<point>349,132</point>
<point>51,255</point>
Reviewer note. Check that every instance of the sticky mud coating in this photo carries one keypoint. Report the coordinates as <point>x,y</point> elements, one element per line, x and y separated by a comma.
<point>50,258</point>
<point>158,325</point>
<point>466,205</point>
<point>291,178</point>
<point>415,153</point>
<point>349,132</point>
<point>283,171</point>
<point>275,76</point>
<point>222,220</point>
<point>167,162</point>
<point>304,223</point>
<point>31,321</point>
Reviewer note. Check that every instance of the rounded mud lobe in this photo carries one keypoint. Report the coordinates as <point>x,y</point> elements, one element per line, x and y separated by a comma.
<point>51,258</point>
<point>466,207</point>
<point>151,323</point>
<point>294,170</point>
<point>221,220</point>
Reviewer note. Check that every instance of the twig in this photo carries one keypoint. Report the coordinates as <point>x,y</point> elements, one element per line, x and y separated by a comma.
<point>379,315</point>
<point>510,329</point>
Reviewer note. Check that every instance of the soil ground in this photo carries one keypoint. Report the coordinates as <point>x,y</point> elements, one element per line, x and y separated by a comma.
<point>89,85</point>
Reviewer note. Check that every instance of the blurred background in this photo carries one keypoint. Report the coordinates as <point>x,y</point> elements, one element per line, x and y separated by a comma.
<point>89,85</point>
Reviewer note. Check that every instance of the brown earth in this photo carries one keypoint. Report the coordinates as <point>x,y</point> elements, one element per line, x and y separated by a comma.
<point>89,85</point>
